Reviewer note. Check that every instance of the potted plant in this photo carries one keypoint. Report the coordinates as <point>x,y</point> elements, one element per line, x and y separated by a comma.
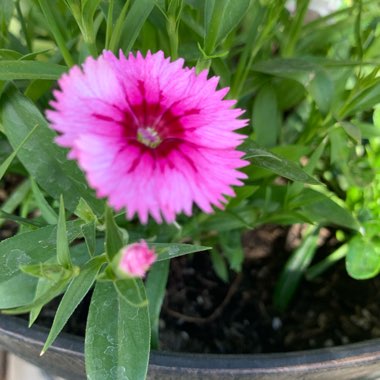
<point>123,148</point>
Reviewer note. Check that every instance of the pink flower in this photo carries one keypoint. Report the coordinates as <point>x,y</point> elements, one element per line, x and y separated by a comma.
<point>136,259</point>
<point>152,136</point>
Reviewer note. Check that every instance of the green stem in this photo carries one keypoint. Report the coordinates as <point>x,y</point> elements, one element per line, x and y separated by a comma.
<point>23,26</point>
<point>172,28</point>
<point>115,38</point>
<point>48,13</point>
<point>109,24</point>
<point>295,28</point>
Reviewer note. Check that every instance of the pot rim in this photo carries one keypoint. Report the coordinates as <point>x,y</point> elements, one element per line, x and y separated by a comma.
<point>316,359</point>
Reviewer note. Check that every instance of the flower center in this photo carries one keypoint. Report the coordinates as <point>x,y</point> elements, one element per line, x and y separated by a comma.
<point>148,136</point>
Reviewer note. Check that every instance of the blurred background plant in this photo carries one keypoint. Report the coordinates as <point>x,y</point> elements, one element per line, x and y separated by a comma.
<point>310,88</point>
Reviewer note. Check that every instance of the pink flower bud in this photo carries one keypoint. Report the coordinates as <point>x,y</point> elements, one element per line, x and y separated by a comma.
<point>136,259</point>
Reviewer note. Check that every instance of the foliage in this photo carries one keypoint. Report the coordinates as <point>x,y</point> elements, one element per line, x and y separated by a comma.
<point>312,93</point>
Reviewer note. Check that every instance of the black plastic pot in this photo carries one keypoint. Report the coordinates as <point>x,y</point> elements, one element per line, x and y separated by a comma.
<point>65,358</point>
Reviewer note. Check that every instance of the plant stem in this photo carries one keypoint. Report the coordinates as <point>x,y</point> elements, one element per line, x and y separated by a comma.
<point>23,26</point>
<point>49,16</point>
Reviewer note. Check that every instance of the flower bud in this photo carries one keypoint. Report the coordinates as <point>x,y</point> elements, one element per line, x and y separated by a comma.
<point>135,259</point>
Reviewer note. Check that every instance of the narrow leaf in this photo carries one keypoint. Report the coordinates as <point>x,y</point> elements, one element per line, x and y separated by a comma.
<point>155,292</point>
<point>166,251</point>
<point>63,250</point>
<point>294,269</point>
<point>117,334</point>
<point>5,165</point>
<point>114,238</point>
<point>74,294</point>
<point>279,165</point>
<point>137,15</point>
<point>46,210</point>
<point>12,70</point>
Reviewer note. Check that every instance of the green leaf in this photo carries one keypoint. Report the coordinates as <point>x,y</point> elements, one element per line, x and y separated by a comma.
<point>63,250</point>
<point>89,233</point>
<point>321,209</point>
<point>221,17</point>
<point>12,70</point>
<point>321,88</point>
<point>279,165</point>
<point>53,291</point>
<point>166,251</point>
<point>155,292</point>
<point>266,117</point>
<point>22,221</point>
<point>319,268</point>
<point>46,210</point>
<point>52,272</point>
<point>34,247</point>
<point>15,198</point>
<point>232,249</point>
<point>294,269</point>
<point>45,161</point>
<point>305,71</point>
<point>114,237</point>
<point>85,212</point>
<point>219,265</point>
<point>7,54</point>
<point>5,165</point>
<point>363,258</point>
<point>74,294</point>
<point>43,286</point>
<point>136,17</point>
<point>117,333</point>
<point>17,291</point>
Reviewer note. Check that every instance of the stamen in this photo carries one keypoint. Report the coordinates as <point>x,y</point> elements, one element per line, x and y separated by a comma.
<point>148,136</point>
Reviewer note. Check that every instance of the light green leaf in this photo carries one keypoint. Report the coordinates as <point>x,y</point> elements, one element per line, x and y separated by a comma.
<point>363,258</point>
<point>74,294</point>
<point>279,165</point>
<point>12,70</point>
<point>45,161</point>
<point>117,334</point>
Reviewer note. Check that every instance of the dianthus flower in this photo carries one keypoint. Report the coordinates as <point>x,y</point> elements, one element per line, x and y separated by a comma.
<point>151,136</point>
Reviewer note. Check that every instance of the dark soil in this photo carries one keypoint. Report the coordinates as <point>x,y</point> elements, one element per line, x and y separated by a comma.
<point>203,314</point>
